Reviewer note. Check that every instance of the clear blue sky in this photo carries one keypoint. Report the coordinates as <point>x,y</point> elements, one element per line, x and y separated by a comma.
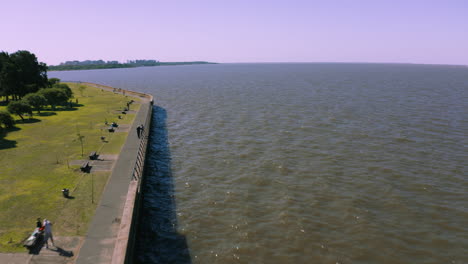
<point>413,31</point>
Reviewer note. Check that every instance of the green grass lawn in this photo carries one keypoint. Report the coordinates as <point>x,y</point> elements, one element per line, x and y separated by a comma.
<point>34,165</point>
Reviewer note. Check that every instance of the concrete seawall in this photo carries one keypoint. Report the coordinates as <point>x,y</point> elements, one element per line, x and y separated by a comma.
<point>111,234</point>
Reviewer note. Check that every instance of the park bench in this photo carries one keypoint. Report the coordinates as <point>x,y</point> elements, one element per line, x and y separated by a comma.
<point>66,193</point>
<point>85,167</point>
<point>93,155</point>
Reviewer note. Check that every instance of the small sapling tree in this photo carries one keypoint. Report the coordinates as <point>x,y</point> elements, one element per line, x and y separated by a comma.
<point>81,88</point>
<point>36,100</point>
<point>80,138</point>
<point>65,88</point>
<point>19,108</point>
<point>55,96</point>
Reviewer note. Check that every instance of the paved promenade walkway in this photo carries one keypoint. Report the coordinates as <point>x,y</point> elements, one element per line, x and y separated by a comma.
<point>99,243</point>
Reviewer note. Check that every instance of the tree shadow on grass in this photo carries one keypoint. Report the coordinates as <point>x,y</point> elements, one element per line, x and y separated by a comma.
<point>11,129</point>
<point>73,107</point>
<point>28,121</point>
<point>157,238</point>
<point>46,114</point>
<point>65,109</point>
<point>5,143</point>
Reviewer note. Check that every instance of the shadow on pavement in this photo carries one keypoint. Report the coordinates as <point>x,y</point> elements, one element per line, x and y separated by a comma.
<point>157,238</point>
<point>62,252</point>
<point>36,249</point>
<point>40,246</point>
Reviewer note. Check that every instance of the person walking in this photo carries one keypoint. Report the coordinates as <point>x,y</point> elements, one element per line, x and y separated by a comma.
<point>48,233</point>
<point>142,128</point>
<point>138,131</point>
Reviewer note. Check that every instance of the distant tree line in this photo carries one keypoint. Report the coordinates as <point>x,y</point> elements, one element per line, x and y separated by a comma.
<point>87,67</point>
<point>24,87</point>
<point>101,64</point>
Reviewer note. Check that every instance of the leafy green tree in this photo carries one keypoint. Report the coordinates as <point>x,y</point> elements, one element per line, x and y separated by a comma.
<point>54,96</point>
<point>31,74</point>
<point>53,81</point>
<point>19,108</point>
<point>3,61</point>
<point>6,120</point>
<point>36,100</point>
<point>65,88</point>
<point>21,73</point>
<point>8,75</point>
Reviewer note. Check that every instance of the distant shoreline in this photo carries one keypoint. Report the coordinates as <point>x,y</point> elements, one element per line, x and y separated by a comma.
<point>120,65</point>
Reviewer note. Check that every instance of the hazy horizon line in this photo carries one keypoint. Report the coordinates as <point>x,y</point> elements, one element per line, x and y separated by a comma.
<point>283,62</point>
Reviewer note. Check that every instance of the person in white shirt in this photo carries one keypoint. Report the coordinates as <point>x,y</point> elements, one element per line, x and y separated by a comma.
<point>48,233</point>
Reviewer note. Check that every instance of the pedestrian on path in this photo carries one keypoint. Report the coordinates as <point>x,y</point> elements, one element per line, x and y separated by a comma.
<point>138,131</point>
<point>48,233</point>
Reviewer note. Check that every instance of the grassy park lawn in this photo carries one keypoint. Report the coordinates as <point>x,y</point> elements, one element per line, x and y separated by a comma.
<point>35,166</point>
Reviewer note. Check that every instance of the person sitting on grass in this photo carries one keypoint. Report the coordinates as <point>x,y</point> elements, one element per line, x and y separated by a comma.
<point>39,224</point>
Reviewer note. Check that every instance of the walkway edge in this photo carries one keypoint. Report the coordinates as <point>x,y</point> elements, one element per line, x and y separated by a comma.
<point>110,235</point>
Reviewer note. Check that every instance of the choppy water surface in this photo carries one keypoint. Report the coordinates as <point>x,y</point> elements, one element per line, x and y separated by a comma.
<point>303,163</point>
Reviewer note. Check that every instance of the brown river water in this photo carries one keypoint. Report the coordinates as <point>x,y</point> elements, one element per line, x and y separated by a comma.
<point>302,163</point>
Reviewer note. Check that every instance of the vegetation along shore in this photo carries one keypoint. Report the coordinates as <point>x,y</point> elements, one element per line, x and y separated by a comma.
<point>100,64</point>
<point>47,130</point>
